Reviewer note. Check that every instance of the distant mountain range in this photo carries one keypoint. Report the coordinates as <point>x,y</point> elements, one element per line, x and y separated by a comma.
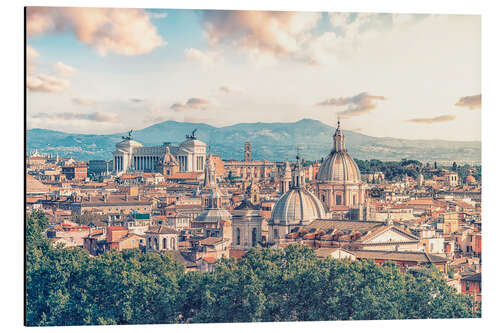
<point>270,141</point>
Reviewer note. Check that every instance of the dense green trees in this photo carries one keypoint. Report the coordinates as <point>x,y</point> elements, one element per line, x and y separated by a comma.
<point>392,170</point>
<point>68,287</point>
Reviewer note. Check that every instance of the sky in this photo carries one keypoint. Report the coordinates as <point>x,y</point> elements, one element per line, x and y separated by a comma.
<point>107,70</point>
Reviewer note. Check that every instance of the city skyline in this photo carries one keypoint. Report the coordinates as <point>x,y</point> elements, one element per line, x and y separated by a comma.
<point>398,75</point>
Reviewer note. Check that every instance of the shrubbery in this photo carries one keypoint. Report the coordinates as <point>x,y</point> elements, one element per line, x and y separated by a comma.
<point>69,287</point>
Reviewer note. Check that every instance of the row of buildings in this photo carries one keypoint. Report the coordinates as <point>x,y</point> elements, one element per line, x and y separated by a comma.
<point>200,208</point>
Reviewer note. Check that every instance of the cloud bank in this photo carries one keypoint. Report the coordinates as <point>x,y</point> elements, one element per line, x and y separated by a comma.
<point>192,103</point>
<point>83,101</point>
<point>356,105</point>
<point>118,30</point>
<point>99,117</point>
<point>276,33</point>
<point>46,83</point>
<point>471,102</point>
<point>438,119</point>
<point>206,58</point>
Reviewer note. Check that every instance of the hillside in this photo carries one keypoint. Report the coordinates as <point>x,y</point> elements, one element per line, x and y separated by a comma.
<point>270,141</point>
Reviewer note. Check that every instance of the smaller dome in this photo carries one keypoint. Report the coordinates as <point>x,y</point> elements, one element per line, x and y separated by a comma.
<point>470,179</point>
<point>297,206</point>
<point>213,215</point>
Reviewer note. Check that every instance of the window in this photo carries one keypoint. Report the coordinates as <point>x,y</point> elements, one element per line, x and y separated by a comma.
<point>275,233</point>
<point>254,236</point>
<point>338,199</point>
<point>164,243</point>
<point>172,243</point>
<point>237,236</point>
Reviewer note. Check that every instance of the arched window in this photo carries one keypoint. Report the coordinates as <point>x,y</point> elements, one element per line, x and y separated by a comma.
<point>237,236</point>
<point>172,243</point>
<point>275,234</point>
<point>338,199</point>
<point>164,243</point>
<point>254,236</point>
<point>156,243</point>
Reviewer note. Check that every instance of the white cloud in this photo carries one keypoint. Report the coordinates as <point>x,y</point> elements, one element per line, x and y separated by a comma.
<point>83,101</point>
<point>356,105</point>
<point>120,30</point>
<point>262,32</point>
<point>192,103</point>
<point>206,58</point>
<point>69,116</point>
<point>46,83</point>
<point>63,69</point>
<point>471,102</point>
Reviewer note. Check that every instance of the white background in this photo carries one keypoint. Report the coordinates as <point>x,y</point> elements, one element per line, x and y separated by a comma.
<point>12,173</point>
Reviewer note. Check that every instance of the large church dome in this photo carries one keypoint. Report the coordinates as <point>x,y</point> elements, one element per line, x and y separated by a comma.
<point>339,167</point>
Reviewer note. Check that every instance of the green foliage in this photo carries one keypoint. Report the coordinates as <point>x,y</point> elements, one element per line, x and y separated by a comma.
<point>392,170</point>
<point>69,287</point>
<point>86,218</point>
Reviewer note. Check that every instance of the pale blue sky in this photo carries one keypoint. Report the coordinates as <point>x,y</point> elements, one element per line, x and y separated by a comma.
<point>108,70</point>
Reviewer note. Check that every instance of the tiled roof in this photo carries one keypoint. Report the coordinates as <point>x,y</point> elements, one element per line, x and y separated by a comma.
<point>472,277</point>
<point>419,257</point>
<point>161,230</point>
<point>237,253</point>
<point>343,225</point>
<point>35,186</point>
<point>211,241</point>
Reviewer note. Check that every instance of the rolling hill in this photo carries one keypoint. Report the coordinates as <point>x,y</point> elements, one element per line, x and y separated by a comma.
<point>270,141</point>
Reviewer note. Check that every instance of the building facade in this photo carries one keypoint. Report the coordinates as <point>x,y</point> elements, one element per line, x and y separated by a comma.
<point>131,156</point>
<point>247,226</point>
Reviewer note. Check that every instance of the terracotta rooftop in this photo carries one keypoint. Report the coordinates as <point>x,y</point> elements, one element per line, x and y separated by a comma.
<point>161,230</point>
<point>211,241</point>
<point>418,257</point>
<point>35,186</point>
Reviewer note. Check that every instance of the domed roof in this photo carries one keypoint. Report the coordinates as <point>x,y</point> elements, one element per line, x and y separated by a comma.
<point>297,206</point>
<point>338,165</point>
<point>213,215</point>
<point>127,144</point>
<point>470,179</point>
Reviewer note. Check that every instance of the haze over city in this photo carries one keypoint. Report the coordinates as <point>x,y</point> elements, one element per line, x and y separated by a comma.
<point>397,75</point>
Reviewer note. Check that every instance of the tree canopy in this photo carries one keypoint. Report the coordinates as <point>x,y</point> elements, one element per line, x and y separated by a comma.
<point>70,287</point>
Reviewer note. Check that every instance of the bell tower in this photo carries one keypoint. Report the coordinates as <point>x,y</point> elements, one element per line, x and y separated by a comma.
<point>248,151</point>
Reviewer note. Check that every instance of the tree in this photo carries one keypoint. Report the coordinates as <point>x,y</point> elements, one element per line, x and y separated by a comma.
<point>67,286</point>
